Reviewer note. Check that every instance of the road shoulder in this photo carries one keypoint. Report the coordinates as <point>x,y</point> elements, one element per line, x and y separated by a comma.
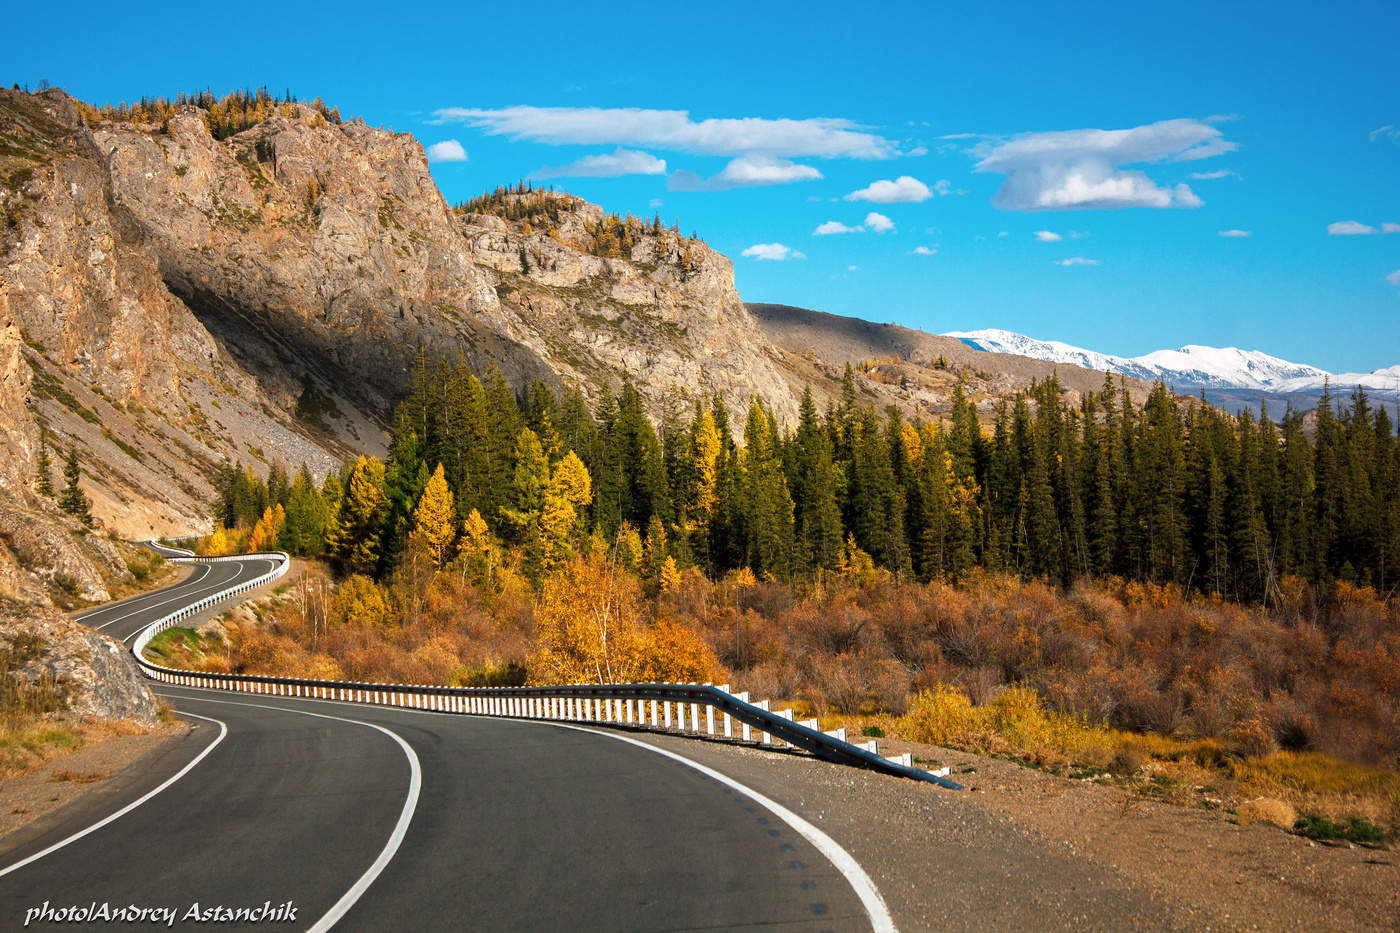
<point>85,785</point>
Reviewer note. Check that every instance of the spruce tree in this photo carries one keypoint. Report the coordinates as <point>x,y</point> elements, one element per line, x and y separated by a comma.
<point>73,500</point>
<point>43,471</point>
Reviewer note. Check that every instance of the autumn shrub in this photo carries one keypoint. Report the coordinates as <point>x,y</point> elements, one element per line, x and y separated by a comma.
<point>1267,810</point>
<point>361,601</point>
<point>941,716</point>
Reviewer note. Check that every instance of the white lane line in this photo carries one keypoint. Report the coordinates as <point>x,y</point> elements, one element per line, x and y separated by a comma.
<point>124,604</point>
<point>845,863</point>
<point>192,597</point>
<point>415,785</point>
<point>169,597</point>
<point>129,600</point>
<point>875,909</point>
<point>223,731</point>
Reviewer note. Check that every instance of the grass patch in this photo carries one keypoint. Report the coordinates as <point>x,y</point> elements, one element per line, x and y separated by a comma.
<point>179,646</point>
<point>46,385</point>
<point>1357,829</point>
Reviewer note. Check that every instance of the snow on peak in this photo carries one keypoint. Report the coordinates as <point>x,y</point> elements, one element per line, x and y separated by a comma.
<point>1190,366</point>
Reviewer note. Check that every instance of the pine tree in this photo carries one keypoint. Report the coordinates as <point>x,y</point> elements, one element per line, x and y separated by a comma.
<point>73,500</point>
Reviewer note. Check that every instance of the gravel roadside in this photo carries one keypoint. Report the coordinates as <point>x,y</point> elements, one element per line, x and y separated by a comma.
<point>1027,850</point>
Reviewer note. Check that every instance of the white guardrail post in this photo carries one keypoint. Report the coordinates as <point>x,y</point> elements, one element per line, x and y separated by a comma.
<point>658,707</point>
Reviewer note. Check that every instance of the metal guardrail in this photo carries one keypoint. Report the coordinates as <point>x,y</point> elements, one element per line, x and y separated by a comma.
<point>654,706</point>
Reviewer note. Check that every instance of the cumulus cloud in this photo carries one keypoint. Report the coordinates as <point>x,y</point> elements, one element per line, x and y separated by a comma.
<point>902,190</point>
<point>1349,228</point>
<point>1076,261</point>
<point>609,165</point>
<point>1236,233</point>
<point>1211,176</point>
<point>835,226</point>
<point>749,171</point>
<point>924,250</point>
<point>879,223</point>
<point>675,130</point>
<point>449,150</point>
<point>1083,169</point>
<point>1048,236</point>
<point>774,251</point>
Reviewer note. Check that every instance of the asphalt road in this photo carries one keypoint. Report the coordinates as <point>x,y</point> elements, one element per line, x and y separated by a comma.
<point>373,818</point>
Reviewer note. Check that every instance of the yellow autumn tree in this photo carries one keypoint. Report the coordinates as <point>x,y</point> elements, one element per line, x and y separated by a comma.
<point>588,624</point>
<point>435,518</point>
<point>360,601</point>
<point>478,552</point>
<point>265,532</point>
<point>704,469</point>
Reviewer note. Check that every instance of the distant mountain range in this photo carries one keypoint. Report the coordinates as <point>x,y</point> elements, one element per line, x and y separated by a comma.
<point>1230,376</point>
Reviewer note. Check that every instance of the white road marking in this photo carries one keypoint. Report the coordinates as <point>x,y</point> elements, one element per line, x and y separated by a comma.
<point>123,603</point>
<point>171,598</point>
<point>223,731</point>
<point>415,785</point>
<point>845,863</point>
<point>191,597</point>
<point>870,898</point>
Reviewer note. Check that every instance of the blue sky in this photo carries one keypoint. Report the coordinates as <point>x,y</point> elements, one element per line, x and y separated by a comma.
<point>988,110</point>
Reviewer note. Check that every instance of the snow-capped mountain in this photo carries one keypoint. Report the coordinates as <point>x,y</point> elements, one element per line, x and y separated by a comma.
<point>1190,367</point>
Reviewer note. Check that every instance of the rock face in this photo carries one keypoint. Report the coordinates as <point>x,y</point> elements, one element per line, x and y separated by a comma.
<point>96,675</point>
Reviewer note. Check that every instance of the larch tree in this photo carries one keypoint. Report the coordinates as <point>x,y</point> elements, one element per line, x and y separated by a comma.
<point>356,540</point>
<point>435,517</point>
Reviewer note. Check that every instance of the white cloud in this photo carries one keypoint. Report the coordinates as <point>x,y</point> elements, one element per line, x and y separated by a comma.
<point>1236,233</point>
<point>1003,235</point>
<point>749,171</point>
<point>924,250</point>
<point>774,251</point>
<point>1083,169</point>
<point>902,190</point>
<point>1389,131</point>
<point>879,223</point>
<point>1076,261</point>
<point>835,226</point>
<point>655,202</point>
<point>1390,227</point>
<point>674,130</point>
<point>609,165</point>
<point>449,150</point>
<point>1394,278</point>
<point>1048,236</point>
<point>1349,228</point>
<point>1211,176</point>
<point>853,268</point>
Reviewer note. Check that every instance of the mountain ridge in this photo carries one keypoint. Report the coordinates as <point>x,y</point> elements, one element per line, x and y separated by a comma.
<point>1192,366</point>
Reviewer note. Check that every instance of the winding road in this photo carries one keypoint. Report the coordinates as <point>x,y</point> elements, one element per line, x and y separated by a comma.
<point>370,818</point>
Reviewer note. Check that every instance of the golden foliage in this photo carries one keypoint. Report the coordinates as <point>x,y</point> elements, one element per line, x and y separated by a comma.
<point>361,601</point>
<point>435,518</point>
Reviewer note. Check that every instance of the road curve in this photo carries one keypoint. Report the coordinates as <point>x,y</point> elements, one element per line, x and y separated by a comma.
<point>376,818</point>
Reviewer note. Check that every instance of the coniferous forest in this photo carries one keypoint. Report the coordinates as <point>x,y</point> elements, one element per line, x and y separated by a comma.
<point>1172,492</point>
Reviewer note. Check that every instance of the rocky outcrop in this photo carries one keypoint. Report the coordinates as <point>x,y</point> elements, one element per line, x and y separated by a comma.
<point>335,240</point>
<point>94,676</point>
